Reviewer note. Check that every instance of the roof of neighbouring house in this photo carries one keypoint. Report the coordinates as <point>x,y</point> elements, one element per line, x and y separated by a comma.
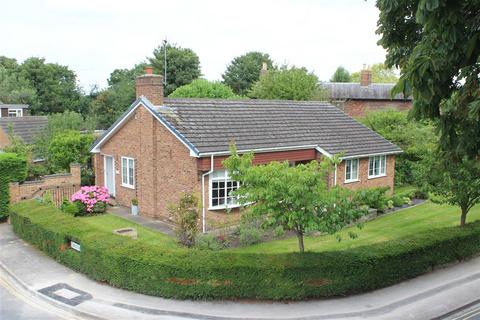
<point>355,91</point>
<point>13,106</point>
<point>27,128</point>
<point>208,126</point>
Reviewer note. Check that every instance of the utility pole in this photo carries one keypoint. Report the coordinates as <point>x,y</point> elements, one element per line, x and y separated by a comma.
<point>165,62</point>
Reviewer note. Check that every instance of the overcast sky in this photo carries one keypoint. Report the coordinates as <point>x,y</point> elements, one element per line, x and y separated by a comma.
<point>94,37</point>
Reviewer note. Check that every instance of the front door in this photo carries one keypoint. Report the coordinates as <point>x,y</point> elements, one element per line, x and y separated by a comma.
<point>109,174</point>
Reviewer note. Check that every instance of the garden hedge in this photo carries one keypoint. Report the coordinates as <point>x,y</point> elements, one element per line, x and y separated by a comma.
<point>171,272</point>
<point>12,168</point>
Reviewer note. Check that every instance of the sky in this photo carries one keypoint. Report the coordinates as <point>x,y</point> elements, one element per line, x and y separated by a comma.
<point>94,37</point>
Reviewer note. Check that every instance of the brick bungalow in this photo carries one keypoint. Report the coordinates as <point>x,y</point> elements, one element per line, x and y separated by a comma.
<point>160,148</point>
<point>356,99</point>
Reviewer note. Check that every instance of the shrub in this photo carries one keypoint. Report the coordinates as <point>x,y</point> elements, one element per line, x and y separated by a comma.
<point>70,207</point>
<point>398,201</point>
<point>91,199</point>
<point>12,168</point>
<point>185,215</point>
<point>208,241</point>
<point>69,147</point>
<point>250,235</point>
<point>421,194</point>
<point>278,232</point>
<point>150,267</point>
<point>374,198</point>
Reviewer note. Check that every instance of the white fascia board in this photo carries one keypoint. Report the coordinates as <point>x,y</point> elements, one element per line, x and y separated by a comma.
<point>371,155</point>
<point>143,101</point>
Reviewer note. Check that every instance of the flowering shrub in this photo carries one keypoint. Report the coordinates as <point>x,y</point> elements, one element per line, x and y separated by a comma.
<point>91,199</point>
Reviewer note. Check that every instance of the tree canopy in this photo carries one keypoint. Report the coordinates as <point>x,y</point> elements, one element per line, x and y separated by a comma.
<point>183,66</point>
<point>243,71</point>
<point>341,75</point>
<point>201,88</point>
<point>286,84</point>
<point>380,74</point>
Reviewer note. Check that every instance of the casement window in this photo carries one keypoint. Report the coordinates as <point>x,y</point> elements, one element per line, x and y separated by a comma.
<point>377,166</point>
<point>351,170</point>
<point>221,188</point>
<point>128,172</point>
<point>13,113</point>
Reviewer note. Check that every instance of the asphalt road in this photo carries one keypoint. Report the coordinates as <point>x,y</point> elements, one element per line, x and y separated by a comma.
<point>14,307</point>
<point>468,312</point>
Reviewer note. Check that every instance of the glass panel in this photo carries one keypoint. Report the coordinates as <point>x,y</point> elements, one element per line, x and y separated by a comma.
<point>383,166</point>
<point>370,166</point>
<point>124,170</point>
<point>348,169</point>
<point>377,166</point>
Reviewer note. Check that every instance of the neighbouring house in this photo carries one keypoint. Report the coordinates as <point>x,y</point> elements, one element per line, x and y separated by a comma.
<point>160,148</point>
<point>356,99</point>
<point>27,128</point>
<point>13,110</point>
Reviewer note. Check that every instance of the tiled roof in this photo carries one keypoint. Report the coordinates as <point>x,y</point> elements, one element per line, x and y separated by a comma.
<point>26,128</point>
<point>351,90</point>
<point>210,125</point>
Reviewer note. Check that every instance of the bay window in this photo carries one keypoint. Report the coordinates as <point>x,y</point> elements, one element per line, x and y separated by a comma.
<point>221,188</point>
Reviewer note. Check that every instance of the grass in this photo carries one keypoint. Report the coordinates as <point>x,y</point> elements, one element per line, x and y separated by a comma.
<point>426,217</point>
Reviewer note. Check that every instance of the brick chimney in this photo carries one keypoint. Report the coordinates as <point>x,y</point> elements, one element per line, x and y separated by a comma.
<point>365,77</point>
<point>151,86</point>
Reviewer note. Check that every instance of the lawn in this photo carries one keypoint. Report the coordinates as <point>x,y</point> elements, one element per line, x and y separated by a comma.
<point>419,219</point>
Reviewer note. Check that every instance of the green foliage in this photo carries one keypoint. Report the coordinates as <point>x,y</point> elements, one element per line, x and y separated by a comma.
<point>185,214</point>
<point>12,168</point>
<point>250,233</point>
<point>341,75</point>
<point>286,84</point>
<point>398,201</point>
<point>71,208</point>
<point>456,182</point>
<point>380,74</point>
<point>152,265</point>
<point>208,241</point>
<point>297,198</point>
<point>69,147</point>
<point>436,44</point>
<point>417,139</point>
<point>14,88</point>
<point>243,71</point>
<point>373,198</point>
<point>201,88</point>
<point>183,66</point>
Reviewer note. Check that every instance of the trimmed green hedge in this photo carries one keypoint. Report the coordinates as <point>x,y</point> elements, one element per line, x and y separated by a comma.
<point>12,168</point>
<point>154,268</point>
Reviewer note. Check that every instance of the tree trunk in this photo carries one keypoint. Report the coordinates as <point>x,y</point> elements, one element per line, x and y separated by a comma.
<point>463,217</point>
<point>300,241</point>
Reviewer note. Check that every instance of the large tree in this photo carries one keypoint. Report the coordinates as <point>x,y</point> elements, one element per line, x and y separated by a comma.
<point>286,84</point>
<point>294,197</point>
<point>201,88</point>
<point>380,74</point>
<point>341,75</point>
<point>436,44</point>
<point>55,86</point>
<point>243,71</point>
<point>183,65</point>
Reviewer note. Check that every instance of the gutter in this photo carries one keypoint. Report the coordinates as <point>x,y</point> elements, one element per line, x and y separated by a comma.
<point>204,213</point>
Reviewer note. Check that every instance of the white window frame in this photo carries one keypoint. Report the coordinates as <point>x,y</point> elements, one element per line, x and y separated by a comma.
<point>225,179</point>
<point>126,172</point>
<point>349,163</point>
<point>18,113</point>
<point>382,166</point>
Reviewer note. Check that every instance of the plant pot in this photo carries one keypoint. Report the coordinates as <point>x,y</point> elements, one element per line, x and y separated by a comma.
<point>134,210</point>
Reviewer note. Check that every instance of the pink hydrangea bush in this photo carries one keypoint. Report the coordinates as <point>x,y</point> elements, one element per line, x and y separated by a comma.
<point>92,199</point>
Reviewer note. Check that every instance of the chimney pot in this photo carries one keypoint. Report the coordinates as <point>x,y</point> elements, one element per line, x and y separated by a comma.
<point>148,70</point>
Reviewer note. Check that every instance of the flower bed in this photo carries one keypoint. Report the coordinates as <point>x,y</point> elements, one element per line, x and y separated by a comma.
<point>90,200</point>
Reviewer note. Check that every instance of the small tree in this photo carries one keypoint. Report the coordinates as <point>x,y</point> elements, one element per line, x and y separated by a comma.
<point>185,214</point>
<point>456,182</point>
<point>296,198</point>
<point>341,75</point>
<point>286,84</point>
<point>69,147</point>
<point>201,88</point>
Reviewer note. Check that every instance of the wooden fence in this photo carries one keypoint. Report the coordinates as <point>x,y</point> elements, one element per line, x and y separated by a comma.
<point>58,193</point>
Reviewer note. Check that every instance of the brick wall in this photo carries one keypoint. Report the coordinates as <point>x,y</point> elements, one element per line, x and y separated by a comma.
<point>30,189</point>
<point>4,140</point>
<point>358,108</point>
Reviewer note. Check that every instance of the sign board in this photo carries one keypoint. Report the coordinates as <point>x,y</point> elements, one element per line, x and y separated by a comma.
<point>75,246</point>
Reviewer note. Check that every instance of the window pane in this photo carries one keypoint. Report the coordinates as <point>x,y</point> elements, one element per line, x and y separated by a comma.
<point>383,164</point>
<point>124,171</point>
<point>348,170</point>
<point>370,166</point>
<point>354,170</point>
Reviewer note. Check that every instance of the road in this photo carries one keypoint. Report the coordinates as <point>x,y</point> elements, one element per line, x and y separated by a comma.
<point>468,312</point>
<point>14,306</point>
